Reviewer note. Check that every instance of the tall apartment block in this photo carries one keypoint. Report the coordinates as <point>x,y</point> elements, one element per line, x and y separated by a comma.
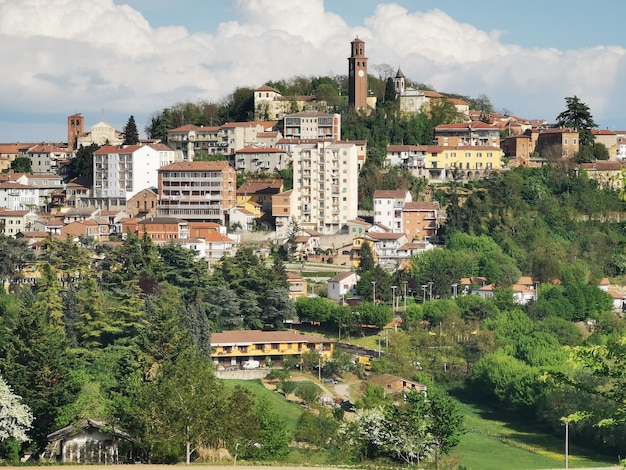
<point>325,185</point>
<point>202,191</point>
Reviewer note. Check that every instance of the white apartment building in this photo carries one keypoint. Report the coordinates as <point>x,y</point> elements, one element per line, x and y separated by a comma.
<point>225,139</point>
<point>17,196</point>
<point>120,172</point>
<point>312,125</point>
<point>388,206</point>
<point>325,185</point>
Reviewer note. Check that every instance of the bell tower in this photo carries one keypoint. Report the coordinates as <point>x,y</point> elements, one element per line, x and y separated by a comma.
<point>75,128</point>
<point>357,76</point>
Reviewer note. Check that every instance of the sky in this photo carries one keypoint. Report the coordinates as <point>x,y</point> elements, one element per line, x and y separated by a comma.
<point>108,59</point>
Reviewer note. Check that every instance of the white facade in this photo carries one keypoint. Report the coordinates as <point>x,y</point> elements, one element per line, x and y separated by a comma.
<point>121,172</point>
<point>101,133</point>
<point>17,197</point>
<point>325,185</point>
<point>342,285</point>
<point>388,205</point>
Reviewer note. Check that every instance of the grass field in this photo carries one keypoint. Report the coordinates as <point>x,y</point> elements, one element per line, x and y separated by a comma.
<point>489,444</point>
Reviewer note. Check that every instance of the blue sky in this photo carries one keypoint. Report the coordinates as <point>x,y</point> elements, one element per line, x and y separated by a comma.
<point>114,58</point>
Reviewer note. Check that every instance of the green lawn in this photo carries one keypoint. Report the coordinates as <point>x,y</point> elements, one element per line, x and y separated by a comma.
<point>289,411</point>
<point>491,444</point>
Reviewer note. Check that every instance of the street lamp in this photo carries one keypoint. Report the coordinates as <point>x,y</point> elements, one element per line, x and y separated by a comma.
<point>454,291</point>
<point>405,283</point>
<point>319,363</point>
<point>393,297</point>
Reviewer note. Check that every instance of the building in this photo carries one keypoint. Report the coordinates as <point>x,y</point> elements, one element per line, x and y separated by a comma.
<point>518,146</point>
<point>163,229</point>
<point>259,160</point>
<point>297,286</point>
<point>312,125</point>
<point>197,190</point>
<point>89,442</point>
<point>420,220</point>
<point>102,133</point>
<point>189,139</point>
<point>557,143</point>
<point>75,129</point>
<point>260,192</point>
<point>143,204</point>
<point>77,193</point>
<point>45,158</point>
<point>357,77</point>
<point>18,196</point>
<point>13,222</point>
<point>467,161</point>
<point>232,348</point>
<point>270,104</point>
<point>388,206</point>
<point>608,139</point>
<point>608,174</point>
<point>477,134</point>
<point>283,209</point>
<point>343,285</point>
<point>120,172</point>
<point>325,185</point>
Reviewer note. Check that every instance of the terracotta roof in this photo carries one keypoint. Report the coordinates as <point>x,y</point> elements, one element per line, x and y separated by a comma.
<point>9,213</point>
<point>186,128</point>
<point>420,206</point>
<point>559,130</point>
<point>602,132</point>
<point>309,114</point>
<point>267,88</point>
<point>292,277</point>
<point>246,337</point>
<point>259,150</point>
<point>390,193</point>
<point>341,276</point>
<point>264,124</point>
<point>603,165</point>
<point>161,147</point>
<point>260,187</point>
<point>615,295</point>
<point>526,280</point>
<point>605,281</point>
<point>386,236</point>
<point>107,149</point>
<point>195,166</point>
<point>465,125</point>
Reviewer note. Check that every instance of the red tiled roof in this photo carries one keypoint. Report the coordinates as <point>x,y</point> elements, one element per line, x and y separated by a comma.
<point>244,337</point>
<point>197,166</point>
<point>420,206</point>
<point>390,193</point>
<point>259,150</point>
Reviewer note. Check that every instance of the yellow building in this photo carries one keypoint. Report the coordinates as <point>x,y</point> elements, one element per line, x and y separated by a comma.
<point>357,245</point>
<point>471,161</point>
<point>233,348</point>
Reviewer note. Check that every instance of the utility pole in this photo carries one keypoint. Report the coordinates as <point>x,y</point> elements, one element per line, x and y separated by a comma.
<point>374,285</point>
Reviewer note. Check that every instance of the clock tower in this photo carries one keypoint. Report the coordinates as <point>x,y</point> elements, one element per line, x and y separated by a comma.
<point>357,76</point>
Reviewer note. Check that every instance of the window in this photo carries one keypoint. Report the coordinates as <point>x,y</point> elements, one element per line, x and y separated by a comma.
<point>565,141</point>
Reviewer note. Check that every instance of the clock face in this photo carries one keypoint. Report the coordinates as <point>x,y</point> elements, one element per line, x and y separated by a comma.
<point>361,73</point>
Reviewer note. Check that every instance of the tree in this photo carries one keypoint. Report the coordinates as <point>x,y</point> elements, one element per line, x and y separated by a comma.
<point>181,408</point>
<point>81,166</point>
<point>578,116</point>
<point>308,392</point>
<point>366,258</point>
<point>131,135</point>
<point>15,417</point>
<point>22,165</point>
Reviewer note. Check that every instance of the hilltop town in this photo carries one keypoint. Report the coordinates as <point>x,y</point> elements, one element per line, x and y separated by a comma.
<point>167,189</point>
<point>407,240</point>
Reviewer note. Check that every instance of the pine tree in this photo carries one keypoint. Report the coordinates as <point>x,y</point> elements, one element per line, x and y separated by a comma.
<point>131,135</point>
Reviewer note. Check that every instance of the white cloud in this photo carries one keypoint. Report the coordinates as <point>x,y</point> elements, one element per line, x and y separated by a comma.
<point>64,56</point>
